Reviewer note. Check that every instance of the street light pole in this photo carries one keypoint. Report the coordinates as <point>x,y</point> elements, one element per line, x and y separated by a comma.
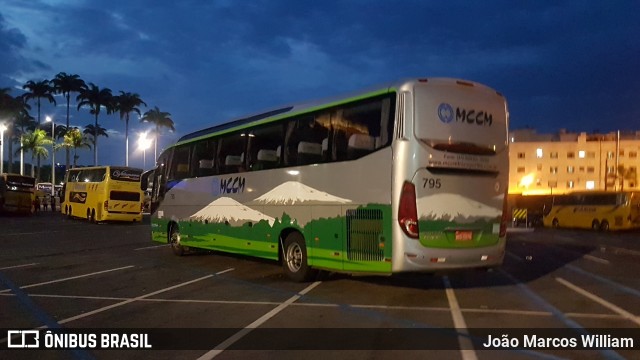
<point>53,156</point>
<point>3,127</point>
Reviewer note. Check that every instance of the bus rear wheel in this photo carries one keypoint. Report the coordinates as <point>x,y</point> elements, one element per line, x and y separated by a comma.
<point>604,225</point>
<point>295,260</point>
<point>555,223</point>
<point>595,225</point>
<point>174,241</point>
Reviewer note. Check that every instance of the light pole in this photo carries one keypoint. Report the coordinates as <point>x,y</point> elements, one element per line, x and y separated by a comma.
<point>3,127</point>
<point>53,155</point>
<point>143,144</point>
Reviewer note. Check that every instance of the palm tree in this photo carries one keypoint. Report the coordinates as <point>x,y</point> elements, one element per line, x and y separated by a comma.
<point>39,90</point>
<point>36,142</point>
<point>126,103</point>
<point>65,84</point>
<point>74,139</point>
<point>159,119</point>
<point>16,110</point>
<point>95,98</point>
<point>93,132</point>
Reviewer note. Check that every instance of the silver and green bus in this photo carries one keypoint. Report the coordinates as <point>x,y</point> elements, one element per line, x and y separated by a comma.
<point>405,177</point>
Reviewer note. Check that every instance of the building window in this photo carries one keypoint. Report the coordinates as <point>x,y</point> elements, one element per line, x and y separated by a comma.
<point>570,155</point>
<point>553,169</point>
<point>610,155</point>
<point>581,154</point>
<point>520,169</point>
<point>591,154</point>
<point>520,155</point>
<point>553,154</point>
<point>539,167</point>
<point>581,169</point>
<point>611,170</point>
<point>591,184</point>
<point>621,152</point>
<point>570,169</point>
<point>539,182</point>
<point>590,169</point>
<point>539,153</point>
<point>633,154</point>
<point>632,184</point>
<point>570,184</point>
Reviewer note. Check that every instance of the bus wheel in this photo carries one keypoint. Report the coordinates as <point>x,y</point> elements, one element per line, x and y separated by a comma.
<point>555,223</point>
<point>93,216</point>
<point>69,213</point>
<point>604,225</point>
<point>595,225</point>
<point>174,241</point>
<point>294,260</point>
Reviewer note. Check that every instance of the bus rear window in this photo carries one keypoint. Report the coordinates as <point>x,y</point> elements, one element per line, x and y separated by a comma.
<point>125,174</point>
<point>124,196</point>
<point>20,181</point>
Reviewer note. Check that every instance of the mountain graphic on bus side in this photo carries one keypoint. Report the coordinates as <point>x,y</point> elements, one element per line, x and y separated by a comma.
<point>454,207</point>
<point>226,209</point>
<point>294,192</point>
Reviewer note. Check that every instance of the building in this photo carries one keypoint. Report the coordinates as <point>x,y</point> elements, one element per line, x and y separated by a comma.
<point>564,162</point>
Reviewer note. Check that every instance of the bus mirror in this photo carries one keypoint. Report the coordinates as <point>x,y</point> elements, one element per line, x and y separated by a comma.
<point>144,179</point>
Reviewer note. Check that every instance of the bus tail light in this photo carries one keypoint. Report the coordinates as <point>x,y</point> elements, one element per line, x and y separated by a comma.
<point>407,211</point>
<point>505,218</point>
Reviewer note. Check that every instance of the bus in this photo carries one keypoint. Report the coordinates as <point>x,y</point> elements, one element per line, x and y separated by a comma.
<point>406,177</point>
<point>17,194</point>
<point>103,193</point>
<point>597,210</point>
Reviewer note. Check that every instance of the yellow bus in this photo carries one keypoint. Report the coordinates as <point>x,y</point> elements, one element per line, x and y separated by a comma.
<point>598,210</point>
<point>17,193</point>
<point>103,193</point>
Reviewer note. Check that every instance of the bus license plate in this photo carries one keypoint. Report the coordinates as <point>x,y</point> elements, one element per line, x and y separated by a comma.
<point>464,235</point>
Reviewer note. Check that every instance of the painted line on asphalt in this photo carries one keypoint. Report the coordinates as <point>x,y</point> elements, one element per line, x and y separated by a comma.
<point>466,347</point>
<point>622,250</point>
<point>600,301</point>
<point>128,301</point>
<point>18,266</point>
<point>69,278</point>
<point>596,259</point>
<point>240,334</point>
<point>151,247</point>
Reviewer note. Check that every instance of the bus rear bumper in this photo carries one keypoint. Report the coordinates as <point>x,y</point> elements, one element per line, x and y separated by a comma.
<point>450,259</point>
<point>121,217</point>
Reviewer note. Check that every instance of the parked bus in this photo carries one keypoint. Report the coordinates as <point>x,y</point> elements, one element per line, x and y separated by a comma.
<point>598,210</point>
<point>410,176</point>
<point>103,193</point>
<point>17,193</point>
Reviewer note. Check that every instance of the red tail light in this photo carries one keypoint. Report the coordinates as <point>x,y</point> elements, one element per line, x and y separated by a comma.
<point>505,218</point>
<point>407,211</point>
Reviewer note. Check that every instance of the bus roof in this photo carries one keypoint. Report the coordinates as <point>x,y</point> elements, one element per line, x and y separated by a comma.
<point>104,167</point>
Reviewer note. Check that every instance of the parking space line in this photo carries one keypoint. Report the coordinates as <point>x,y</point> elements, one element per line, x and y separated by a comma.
<point>240,334</point>
<point>600,301</point>
<point>69,278</point>
<point>152,247</point>
<point>596,259</point>
<point>18,266</point>
<point>466,347</point>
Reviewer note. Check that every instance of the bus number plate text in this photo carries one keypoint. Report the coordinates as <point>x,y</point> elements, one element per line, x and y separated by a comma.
<point>464,235</point>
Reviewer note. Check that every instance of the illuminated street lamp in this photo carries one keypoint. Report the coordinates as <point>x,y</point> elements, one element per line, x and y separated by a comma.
<point>3,127</point>
<point>53,155</point>
<point>144,143</point>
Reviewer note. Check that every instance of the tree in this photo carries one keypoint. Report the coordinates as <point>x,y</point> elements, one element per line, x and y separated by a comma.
<point>36,142</point>
<point>93,132</point>
<point>39,90</point>
<point>65,84</point>
<point>16,111</point>
<point>95,98</point>
<point>126,103</point>
<point>74,139</point>
<point>160,119</point>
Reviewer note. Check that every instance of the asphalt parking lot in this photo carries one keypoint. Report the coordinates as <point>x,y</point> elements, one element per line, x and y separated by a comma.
<point>66,274</point>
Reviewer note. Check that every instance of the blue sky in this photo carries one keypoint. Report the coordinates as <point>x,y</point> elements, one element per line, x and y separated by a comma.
<point>560,64</point>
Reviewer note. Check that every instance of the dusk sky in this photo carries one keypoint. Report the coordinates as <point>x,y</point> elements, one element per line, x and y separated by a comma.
<point>560,64</point>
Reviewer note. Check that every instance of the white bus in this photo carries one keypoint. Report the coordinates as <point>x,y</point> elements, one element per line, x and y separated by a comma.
<point>407,177</point>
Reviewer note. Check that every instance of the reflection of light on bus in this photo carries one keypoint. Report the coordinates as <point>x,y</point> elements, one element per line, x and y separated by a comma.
<point>17,193</point>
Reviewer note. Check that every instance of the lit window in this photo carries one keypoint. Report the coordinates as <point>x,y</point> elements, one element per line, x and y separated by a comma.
<point>553,155</point>
<point>570,169</point>
<point>570,184</point>
<point>591,184</point>
<point>539,153</point>
<point>581,154</point>
<point>553,169</point>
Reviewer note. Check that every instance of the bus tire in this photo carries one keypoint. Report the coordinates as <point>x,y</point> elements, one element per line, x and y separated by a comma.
<point>174,241</point>
<point>555,223</point>
<point>93,216</point>
<point>604,225</point>
<point>595,225</point>
<point>69,213</point>
<point>295,260</point>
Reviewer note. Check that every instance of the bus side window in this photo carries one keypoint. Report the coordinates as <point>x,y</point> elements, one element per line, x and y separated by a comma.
<point>203,163</point>
<point>231,153</point>
<point>180,163</point>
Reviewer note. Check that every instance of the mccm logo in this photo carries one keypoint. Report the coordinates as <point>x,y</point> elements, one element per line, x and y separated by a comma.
<point>445,113</point>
